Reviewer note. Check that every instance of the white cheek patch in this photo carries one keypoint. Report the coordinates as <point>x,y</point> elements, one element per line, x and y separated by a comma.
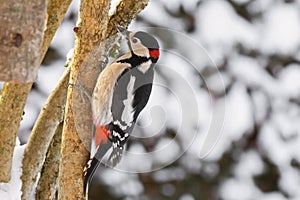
<point>144,67</point>
<point>127,115</point>
<point>140,50</point>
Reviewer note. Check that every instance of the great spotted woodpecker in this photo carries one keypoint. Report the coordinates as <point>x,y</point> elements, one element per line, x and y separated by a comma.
<point>121,92</point>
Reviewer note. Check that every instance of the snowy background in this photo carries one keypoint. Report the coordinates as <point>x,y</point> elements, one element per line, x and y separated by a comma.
<point>223,121</point>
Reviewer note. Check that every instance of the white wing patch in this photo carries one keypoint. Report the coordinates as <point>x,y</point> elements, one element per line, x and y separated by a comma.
<point>144,66</point>
<point>127,115</point>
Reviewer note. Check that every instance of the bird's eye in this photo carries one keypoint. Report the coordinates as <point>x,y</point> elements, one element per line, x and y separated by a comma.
<point>134,40</point>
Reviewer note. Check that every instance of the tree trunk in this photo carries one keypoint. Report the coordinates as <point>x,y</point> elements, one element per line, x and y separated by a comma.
<point>21,34</point>
<point>14,97</point>
<point>74,154</point>
<point>75,145</point>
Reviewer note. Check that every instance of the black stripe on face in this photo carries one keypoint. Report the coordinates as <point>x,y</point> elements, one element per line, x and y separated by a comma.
<point>134,60</point>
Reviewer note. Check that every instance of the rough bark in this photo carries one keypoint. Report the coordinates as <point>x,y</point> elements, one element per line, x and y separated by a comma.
<point>12,102</point>
<point>14,97</point>
<point>75,146</point>
<point>56,11</point>
<point>49,119</point>
<point>93,17</point>
<point>49,174</point>
<point>126,11</point>
<point>21,34</point>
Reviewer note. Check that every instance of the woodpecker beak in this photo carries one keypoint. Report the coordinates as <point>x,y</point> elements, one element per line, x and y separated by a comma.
<point>123,31</point>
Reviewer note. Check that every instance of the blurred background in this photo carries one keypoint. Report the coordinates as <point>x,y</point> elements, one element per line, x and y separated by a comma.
<point>224,119</point>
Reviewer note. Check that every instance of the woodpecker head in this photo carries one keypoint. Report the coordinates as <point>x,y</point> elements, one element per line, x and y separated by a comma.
<point>141,44</point>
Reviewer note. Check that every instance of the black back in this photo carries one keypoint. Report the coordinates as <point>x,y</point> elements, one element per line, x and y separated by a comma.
<point>142,90</point>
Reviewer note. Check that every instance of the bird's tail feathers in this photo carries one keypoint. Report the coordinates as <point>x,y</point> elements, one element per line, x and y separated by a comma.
<point>93,164</point>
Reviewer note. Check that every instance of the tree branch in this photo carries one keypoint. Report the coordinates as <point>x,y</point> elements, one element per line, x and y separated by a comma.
<point>49,173</point>
<point>12,102</point>
<point>49,119</point>
<point>14,96</point>
<point>126,11</point>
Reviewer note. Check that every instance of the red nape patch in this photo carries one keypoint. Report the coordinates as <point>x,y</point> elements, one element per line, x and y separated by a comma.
<point>101,135</point>
<point>154,53</point>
